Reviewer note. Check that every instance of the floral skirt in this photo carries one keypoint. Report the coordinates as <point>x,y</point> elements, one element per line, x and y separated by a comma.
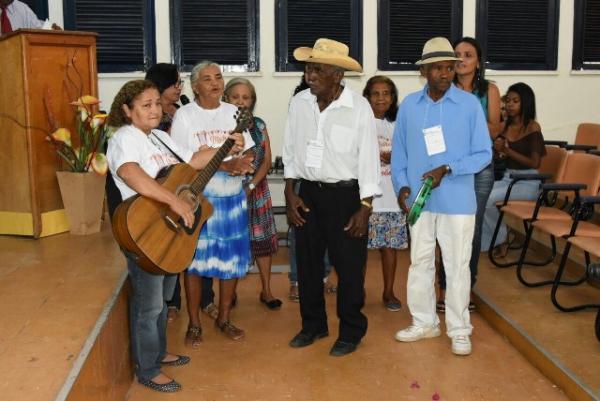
<point>223,249</point>
<point>387,230</point>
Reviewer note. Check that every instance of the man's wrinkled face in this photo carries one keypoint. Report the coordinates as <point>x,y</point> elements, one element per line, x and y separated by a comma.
<point>321,78</point>
<point>439,75</point>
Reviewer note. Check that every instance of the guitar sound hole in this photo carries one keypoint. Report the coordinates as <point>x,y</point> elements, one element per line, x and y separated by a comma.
<point>185,194</point>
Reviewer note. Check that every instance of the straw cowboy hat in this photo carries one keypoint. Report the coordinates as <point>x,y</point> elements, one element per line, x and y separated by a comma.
<point>327,51</point>
<point>437,49</point>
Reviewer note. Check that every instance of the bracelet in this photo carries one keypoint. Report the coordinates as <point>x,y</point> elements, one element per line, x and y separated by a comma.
<point>367,204</point>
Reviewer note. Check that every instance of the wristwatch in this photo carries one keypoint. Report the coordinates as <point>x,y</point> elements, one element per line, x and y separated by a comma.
<point>251,186</point>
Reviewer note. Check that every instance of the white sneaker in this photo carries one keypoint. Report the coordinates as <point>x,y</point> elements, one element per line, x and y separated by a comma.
<point>416,333</point>
<point>461,345</point>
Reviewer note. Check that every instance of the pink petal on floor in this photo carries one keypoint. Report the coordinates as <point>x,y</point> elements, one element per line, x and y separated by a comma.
<point>415,384</point>
<point>435,396</point>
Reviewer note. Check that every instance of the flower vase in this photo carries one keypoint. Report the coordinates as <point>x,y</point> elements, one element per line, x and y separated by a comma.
<point>83,198</point>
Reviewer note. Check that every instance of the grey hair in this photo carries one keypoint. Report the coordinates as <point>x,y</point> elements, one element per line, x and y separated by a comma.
<point>240,81</point>
<point>199,67</point>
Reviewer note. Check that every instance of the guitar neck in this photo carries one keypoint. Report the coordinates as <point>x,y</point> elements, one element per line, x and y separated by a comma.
<point>212,167</point>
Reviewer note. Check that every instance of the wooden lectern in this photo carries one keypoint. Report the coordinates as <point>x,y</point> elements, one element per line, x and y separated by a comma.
<point>58,65</point>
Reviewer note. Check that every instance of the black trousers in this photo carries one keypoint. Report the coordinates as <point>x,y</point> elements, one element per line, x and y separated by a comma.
<point>329,212</point>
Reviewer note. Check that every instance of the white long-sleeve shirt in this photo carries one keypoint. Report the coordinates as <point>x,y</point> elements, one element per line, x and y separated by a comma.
<point>346,128</point>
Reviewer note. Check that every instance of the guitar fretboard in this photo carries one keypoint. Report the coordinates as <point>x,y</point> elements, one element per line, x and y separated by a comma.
<point>212,167</point>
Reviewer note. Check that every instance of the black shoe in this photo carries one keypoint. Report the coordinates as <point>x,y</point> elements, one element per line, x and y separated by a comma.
<point>341,348</point>
<point>169,387</point>
<point>273,304</point>
<point>303,339</point>
<point>180,361</point>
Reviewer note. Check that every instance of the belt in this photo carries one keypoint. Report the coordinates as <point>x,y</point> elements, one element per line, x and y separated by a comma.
<point>340,184</point>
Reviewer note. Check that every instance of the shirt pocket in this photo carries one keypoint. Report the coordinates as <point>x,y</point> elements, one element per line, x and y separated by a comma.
<point>342,138</point>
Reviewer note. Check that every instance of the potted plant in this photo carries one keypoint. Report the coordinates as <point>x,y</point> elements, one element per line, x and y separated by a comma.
<point>82,182</point>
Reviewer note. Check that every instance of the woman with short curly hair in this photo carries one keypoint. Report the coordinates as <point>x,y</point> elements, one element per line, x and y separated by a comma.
<point>137,151</point>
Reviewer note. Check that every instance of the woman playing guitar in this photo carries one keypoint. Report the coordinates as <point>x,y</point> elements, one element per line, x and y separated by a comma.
<point>136,154</point>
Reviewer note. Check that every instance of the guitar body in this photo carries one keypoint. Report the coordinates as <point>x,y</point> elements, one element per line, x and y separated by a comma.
<point>152,232</point>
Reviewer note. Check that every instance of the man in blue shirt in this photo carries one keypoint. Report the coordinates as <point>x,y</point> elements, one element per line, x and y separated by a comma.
<point>440,132</point>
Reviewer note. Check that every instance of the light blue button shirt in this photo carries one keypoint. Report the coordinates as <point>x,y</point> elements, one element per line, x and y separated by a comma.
<point>468,148</point>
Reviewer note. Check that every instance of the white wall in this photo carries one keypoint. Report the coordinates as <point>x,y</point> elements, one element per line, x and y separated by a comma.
<point>564,98</point>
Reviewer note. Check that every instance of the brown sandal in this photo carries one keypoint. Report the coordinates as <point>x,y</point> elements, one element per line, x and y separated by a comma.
<point>193,336</point>
<point>211,310</point>
<point>230,330</point>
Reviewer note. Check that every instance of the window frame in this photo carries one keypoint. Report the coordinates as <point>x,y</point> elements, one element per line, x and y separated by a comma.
<point>149,38</point>
<point>577,62</point>
<point>383,28</point>
<point>551,64</point>
<point>253,36</point>
<point>282,64</point>
<point>40,8</point>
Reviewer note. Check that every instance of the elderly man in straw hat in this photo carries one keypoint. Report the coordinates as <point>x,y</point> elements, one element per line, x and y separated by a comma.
<point>330,145</point>
<point>440,132</point>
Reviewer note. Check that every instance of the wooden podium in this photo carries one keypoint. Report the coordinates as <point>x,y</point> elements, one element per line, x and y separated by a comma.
<point>58,65</point>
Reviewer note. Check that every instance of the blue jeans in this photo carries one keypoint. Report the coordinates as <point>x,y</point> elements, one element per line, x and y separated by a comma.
<point>522,190</point>
<point>148,318</point>
<point>484,181</point>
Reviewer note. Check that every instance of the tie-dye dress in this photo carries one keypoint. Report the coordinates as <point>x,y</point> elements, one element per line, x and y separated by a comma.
<point>223,249</point>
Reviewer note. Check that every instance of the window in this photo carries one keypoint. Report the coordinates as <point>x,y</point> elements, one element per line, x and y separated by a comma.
<point>224,31</point>
<point>586,35</point>
<point>405,26</point>
<point>125,31</point>
<point>302,22</point>
<point>518,35</point>
<point>39,7</point>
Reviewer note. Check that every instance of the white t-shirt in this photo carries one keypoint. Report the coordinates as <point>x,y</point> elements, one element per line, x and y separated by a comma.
<point>194,126</point>
<point>129,144</point>
<point>387,202</point>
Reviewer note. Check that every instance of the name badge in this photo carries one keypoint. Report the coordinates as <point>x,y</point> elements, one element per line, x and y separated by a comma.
<point>314,154</point>
<point>434,140</point>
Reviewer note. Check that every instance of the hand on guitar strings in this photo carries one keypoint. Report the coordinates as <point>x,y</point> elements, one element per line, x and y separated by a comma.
<point>183,209</point>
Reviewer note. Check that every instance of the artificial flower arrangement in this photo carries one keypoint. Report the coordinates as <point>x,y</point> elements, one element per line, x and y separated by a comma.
<point>92,133</point>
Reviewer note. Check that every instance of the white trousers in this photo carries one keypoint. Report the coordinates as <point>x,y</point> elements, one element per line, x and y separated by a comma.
<point>454,233</point>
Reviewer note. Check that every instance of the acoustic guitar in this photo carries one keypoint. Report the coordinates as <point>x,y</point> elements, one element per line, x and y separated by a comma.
<point>152,232</point>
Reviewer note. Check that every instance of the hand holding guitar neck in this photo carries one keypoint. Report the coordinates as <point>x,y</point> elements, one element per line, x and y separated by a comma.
<point>238,144</point>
